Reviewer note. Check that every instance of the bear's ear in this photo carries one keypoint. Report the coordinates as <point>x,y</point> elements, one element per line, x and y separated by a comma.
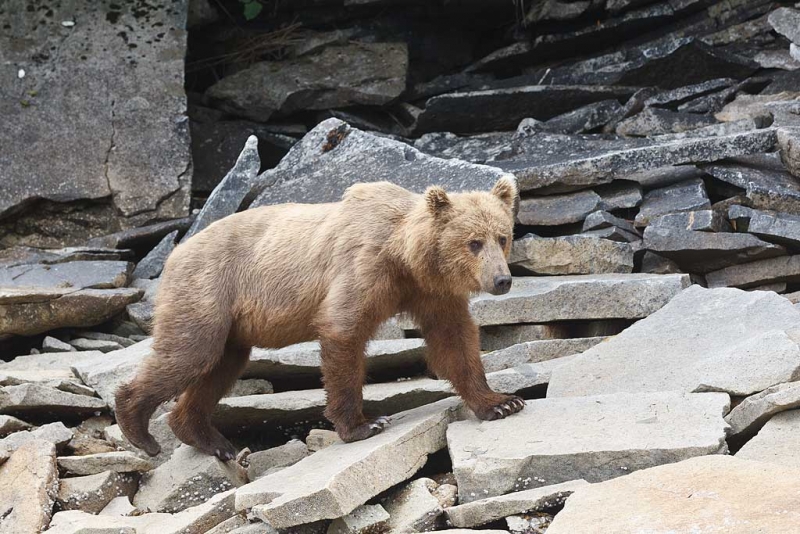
<point>437,200</point>
<point>506,190</point>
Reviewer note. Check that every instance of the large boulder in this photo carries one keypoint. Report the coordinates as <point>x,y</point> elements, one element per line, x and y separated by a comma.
<point>28,487</point>
<point>102,90</point>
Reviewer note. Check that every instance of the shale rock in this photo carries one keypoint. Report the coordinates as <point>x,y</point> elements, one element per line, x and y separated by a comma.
<point>700,221</point>
<point>536,351</point>
<point>776,442</point>
<point>152,264</point>
<point>412,508</point>
<point>93,493</point>
<point>684,196</point>
<point>782,228</point>
<point>72,274</point>
<point>55,433</point>
<point>39,400</point>
<point>757,273</point>
<point>751,414</point>
<point>366,519</point>
<point>261,462</point>
<point>92,464</point>
<point>28,486</point>
<point>570,255</point>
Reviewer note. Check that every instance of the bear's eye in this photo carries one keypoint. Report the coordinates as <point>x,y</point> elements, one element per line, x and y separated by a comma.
<point>475,246</point>
<point>503,241</point>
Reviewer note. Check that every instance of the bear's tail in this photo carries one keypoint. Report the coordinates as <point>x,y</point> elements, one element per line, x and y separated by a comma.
<point>134,407</point>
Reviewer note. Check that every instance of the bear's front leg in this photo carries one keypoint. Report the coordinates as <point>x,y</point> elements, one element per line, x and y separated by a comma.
<point>453,353</point>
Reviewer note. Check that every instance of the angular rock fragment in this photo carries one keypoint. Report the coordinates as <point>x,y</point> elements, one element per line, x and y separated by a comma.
<point>575,254</point>
<point>30,311</point>
<point>72,274</point>
<point>675,97</point>
<point>782,228</point>
<point>28,486</point>
<point>698,494</point>
<point>776,442</point>
<point>55,433</point>
<point>102,345</point>
<point>559,161</point>
<point>318,439</point>
<point>654,121</point>
<point>614,233</point>
<point>502,109</point>
<point>160,430</point>
<point>747,417</point>
<point>757,273</point>
<point>56,367</point>
<point>786,22</point>
<point>117,462</point>
<point>480,148</point>
<point>684,196</point>
<point>573,441</point>
<point>10,424</point>
<point>151,265</point>
<point>412,508</point>
<point>503,336</point>
<point>260,462</point>
<point>703,340</point>
<point>39,400</point>
<point>703,252</point>
<point>189,478</point>
<point>334,149</point>
<point>21,255</point>
<point>655,264</point>
<point>142,237</point>
<point>252,386</point>
<point>118,506</point>
<point>93,493</point>
<point>536,351</point>
<point>335,481</point>
<point>339,76</point>
<point>227,197</point>
<point>699,221</point>
<point>557,209</point>
<point>584,119</point>
<point>485,511</point>
<point>619,195</point>
<point>365,519</point>
<point>51,344</point>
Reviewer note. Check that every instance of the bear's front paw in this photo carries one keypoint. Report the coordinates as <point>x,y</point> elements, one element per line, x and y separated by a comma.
<point>363,431</point>
<point>506,406</point>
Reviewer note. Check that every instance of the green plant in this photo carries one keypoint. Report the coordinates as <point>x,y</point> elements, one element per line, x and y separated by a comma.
<point>251,8</point>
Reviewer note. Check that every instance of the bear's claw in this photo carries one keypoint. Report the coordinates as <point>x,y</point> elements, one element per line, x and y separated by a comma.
<point>365,430</point>
<point>510,405</point>
<point>380,423</point>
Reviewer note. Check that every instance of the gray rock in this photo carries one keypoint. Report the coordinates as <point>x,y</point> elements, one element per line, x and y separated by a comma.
<point>573,440</point>
<point>782,228</point>
<point>102,336</point>
<point>28,486</point>
<point>703,252</point>
<point>699,220</point>
<point>251,386</point>
<point>536,351</point>
<point>789,138</point>
<point>275,458</point>
<point>30,311</point>
<point>503,336</point>
<point>141,237</point>
<point>72,274</point>
<point>675,97</point>
<point>757,273</point>
<point>101,345</point>
<point>226,197</point>
<point>769,186</point>
<point>576,254</point>
<point>366,519</point>
<point>93,493</point>
<point>614,233</point>
<point>335,481</point>
<point>303,359</point>
<point>100,101</point>
<point>51,344</point>
<point>483,511</point>
<point>502,109</point>
<point>412,508</point>
<point>479,148</point>
<point>152,264</point>
<point>10,424</point>
<point>557,209</point>
<point>549,160</point>
<point>318,439</point>
<point>684,196</point>
<point>335,150</point>
<point>786,22</point>
<point>529,524</point>
<point>655,264</point>
<point>776,442</point>
<point>703,340</point>
<point>92,464</point>
<point>189,478</point>
<point>55,367</point>
<point>36,399</point>
<point>747,417</point>
<point>619,195</point>
<point>55,433</point>
<point>21,255</point>
<point>118,506</point>
<point>580,297</point>
<point>654,121</point>
<point>339,76</point>
<point>142,313</point>
<point>721,494</point>
<point>584,119</point>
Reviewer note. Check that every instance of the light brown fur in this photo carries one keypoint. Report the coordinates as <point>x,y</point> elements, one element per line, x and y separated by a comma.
<point>279,275</point>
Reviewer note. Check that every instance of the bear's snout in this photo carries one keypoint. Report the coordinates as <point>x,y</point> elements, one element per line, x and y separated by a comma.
<point>502,284</point>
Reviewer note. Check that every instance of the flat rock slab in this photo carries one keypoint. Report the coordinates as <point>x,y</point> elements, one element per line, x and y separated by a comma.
<point>708,494</point>
<point>39,400</point>
<point>557,209</point>
<point>570,255</point>
<point>593,438</point>
<point>485,511</point>
<point>303,359</point>
<point>536,351</point>
<point>335,481</point>
<point>502,109</point>
<point>757,273</point>
<point>333,156</point>
<point>783,228</point>
<point>151,265</point>
<point>55,433</point>
<point>22,255</point>
<point>703,340</point>
<point>751,414</point>
<point>786,21</point>
<point>28,487</point>
<point>702,252</point>
<point>93,492</point>
<point>684,196</point>
<point>550,160</point>
<point>117,462</point>
<point>566,298</point>
<point>776,442</point>
<point>653,121</point>
<point>71,274</point>
<point>123,94</point>
<point>696,220</point>
<point>30,311</point>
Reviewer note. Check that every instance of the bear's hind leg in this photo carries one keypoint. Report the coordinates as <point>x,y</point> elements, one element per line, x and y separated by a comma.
<point>191,418</point>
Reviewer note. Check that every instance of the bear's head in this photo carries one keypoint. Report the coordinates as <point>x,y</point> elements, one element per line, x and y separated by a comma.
<point>473,233</point>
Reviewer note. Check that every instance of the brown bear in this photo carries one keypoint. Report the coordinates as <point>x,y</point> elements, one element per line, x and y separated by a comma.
<point>278,275</point>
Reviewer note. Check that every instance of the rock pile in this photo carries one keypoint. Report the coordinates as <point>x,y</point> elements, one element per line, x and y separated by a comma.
<point>652,325</point>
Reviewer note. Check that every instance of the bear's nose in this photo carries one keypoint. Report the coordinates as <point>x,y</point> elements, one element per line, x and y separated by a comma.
<point>502,284</point>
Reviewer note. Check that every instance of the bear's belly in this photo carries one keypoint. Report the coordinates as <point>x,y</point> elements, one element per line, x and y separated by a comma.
<point>273,327</point>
